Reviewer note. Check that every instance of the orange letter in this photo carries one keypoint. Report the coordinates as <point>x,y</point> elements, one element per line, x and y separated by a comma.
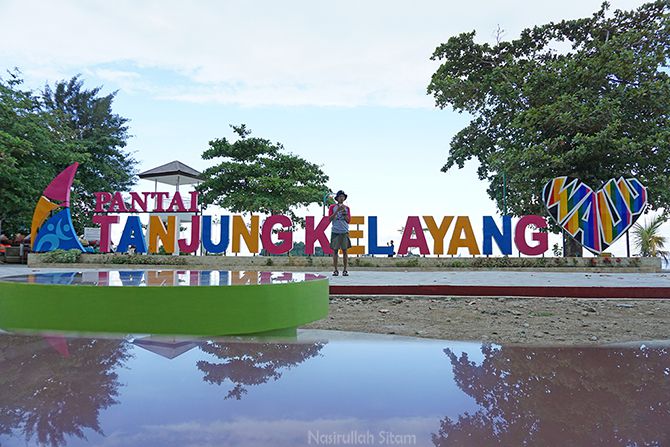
<point>158,231</point>
<point>469,241</point>
<point>250,235</point>
<point>438,233</point>
<point>355,234</point>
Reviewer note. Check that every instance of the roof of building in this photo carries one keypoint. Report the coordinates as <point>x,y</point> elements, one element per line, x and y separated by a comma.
<point>173,173</point>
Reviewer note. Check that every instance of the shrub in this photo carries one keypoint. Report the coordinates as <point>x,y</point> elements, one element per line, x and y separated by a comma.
<point>634,262</point>
<point>408,263</point>
<point>358,263</point>
<point>62,256</point>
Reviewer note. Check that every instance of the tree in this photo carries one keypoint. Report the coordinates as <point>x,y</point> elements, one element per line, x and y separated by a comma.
<point>256,176</point>
<point>585,98</point>
<point>96,136</point>
<point>31,153</point>
<point>648,239</point>
<point>41,134</point>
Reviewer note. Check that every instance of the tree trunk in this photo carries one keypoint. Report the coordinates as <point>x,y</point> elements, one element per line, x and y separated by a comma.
<point>571,248</point>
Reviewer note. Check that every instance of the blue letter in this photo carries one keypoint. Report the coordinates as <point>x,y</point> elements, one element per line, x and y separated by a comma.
<point>207,234</point>
<point>373,248</point>
<point>132,235</point>
<point>503,240</point>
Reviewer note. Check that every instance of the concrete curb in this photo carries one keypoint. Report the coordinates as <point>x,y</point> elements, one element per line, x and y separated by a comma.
<point>495,291</point>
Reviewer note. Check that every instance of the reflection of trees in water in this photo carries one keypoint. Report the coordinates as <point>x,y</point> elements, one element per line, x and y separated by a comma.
<point>253,363</point>
<point>48,396</point>
<point>566,397</point>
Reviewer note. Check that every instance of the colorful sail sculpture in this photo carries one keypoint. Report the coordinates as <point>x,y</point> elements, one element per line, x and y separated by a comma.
<point>52,229</point>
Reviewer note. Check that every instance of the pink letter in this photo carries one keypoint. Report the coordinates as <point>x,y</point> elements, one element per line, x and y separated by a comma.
<point>285,236</point>
<point>105,222</point>
<point>195,237</point>
<point>194,202</point>
<point>135,199</point>
<point>101,198</point>
<point>117,203</point>
<point>160,197</point>
<point>413,223</point>
<point>541,238</point>
<point>316,234</point>
<point>178,202</point>
<point>147,196</point>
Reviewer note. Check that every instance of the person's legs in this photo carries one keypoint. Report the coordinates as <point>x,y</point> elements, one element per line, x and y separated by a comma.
<point>333,246</point>
<point>345,261</point>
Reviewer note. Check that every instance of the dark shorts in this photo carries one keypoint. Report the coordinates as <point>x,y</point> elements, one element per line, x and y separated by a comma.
<point>340,241</point>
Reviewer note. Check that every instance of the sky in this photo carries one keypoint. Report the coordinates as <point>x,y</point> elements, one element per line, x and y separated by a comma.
<point>341,84</point>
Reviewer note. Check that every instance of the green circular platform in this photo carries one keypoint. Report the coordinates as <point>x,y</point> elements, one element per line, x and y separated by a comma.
<point>193,303</point>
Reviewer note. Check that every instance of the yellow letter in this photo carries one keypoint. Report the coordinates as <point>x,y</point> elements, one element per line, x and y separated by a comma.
<point>250,235</point>
<point>438,233</point>
<point>167,236</point>
<point>469,241</point>
<point>355,234</point>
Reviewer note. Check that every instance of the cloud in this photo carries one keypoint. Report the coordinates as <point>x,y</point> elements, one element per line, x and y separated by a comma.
<point>346,53</point>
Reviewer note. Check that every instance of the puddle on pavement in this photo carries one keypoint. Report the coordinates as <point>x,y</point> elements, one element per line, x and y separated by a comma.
<point>146,390</point>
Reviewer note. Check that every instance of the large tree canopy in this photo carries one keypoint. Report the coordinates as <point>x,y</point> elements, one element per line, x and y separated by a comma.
<point>42,133</point>
<point>256,176</point>
<point>30,153</point>
<point>587,98</point>
<point>95,135</point>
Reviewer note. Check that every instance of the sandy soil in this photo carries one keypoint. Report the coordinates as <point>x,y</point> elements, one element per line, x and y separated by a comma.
<point>559,321</point>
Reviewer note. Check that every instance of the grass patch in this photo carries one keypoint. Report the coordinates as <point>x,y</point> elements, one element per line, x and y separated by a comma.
<point>408,263</point>
<point>358,263</point>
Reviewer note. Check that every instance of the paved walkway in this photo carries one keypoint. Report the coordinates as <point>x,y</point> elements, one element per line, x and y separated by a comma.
<point>503,278</point>
<point>479,283</point>
<point>505,283</point>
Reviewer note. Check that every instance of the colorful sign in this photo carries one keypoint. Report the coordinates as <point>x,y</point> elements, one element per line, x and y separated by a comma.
<point>595,218</point>
<point>273,237</point>
<point>57,231</point>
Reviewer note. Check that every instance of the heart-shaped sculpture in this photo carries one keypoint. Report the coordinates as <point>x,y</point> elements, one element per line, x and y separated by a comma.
<point>596,219</point>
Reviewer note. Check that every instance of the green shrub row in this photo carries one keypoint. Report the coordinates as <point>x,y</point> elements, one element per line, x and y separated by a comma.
<point>62,256</point>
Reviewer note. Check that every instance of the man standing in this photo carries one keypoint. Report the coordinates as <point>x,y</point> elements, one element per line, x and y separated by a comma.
<point>340,215</point>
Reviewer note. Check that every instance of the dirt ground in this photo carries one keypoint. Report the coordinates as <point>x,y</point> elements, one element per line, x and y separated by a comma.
<point>556,321</point>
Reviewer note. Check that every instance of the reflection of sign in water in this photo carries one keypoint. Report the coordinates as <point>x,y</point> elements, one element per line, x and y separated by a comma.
<point>595,218</point>
<point>166,278</point>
